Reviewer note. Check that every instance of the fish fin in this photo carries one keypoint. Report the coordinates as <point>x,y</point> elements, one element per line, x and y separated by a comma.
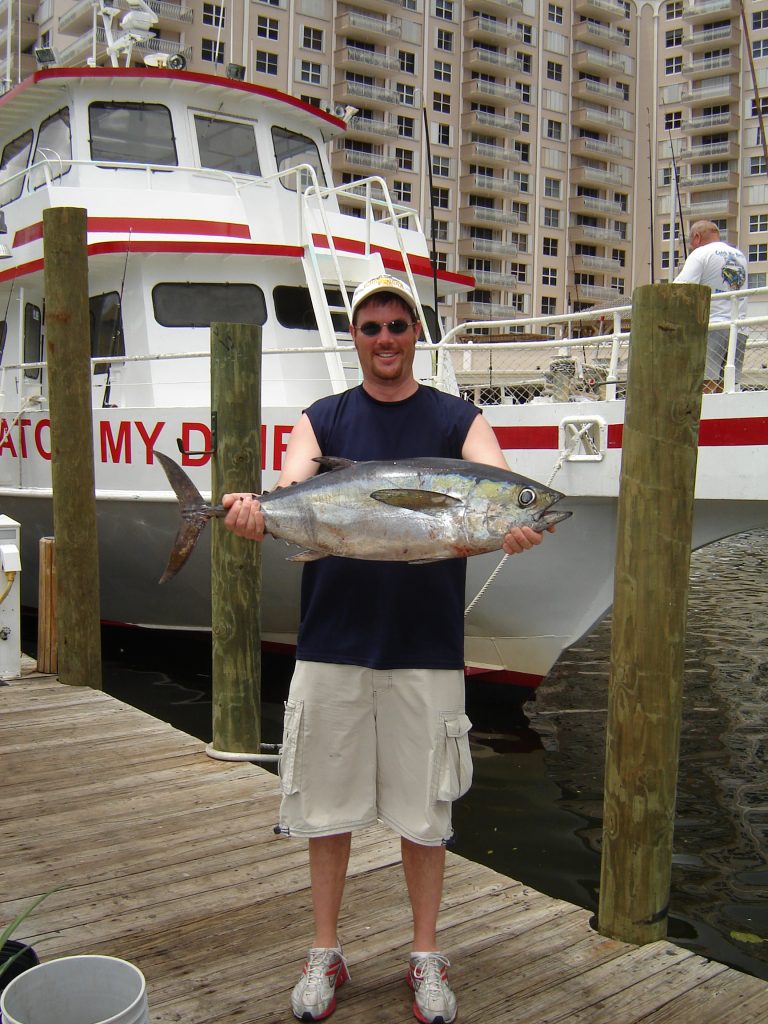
<point>186,539</point>
<point>306,556</point>
<point>414,499</point>
<point>332,462</point>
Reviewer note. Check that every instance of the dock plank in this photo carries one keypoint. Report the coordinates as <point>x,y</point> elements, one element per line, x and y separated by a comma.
<point>168,858</point>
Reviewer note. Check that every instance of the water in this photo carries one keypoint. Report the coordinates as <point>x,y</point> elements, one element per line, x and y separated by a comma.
<point>535,809</point>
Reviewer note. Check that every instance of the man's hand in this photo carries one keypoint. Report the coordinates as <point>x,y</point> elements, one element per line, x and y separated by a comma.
<point>245,517</point>
<point>522,538</point>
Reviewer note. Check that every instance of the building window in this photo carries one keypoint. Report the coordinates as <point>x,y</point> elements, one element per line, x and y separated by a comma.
<point>311,72</point>
<point>673,65</point>
<point>549,246</point>
<point>757,165</point>
<point>213,14</point>
<point>521,209</point>
<point>444,9</point>
<point>441,166</point>
<point>267,28</point>
<point>555,14</point>
<point>674,37</point>
<point>554,71</point>
<point>548,305</point>
<point>554,130</point>
<point>406,94</point>
<point>673,9</point>
<point>441,230</point>
<point>549,276</point>
<point>522,180</point>
<point>266,62</point>
<point>405,127</point>
<point>312,38</point>
<point>519,271</point>
<point>404,158</point>
<point>756,280</point>
<point>760,48</point>
<point>760,20</point>
<point>758,252</point>
<point>443,135</point>
<point>212,51</point>
<point>402,191</point>
<point>673,119</point>
<point>523,121</point>
<point>758,222</point>
<point>523,150</point>
<point>525,61</point>
<point>441,102</point>
<point>523,91</point>
<point>445,40</point>
<point>552,187</point>
<point>551,217</point>
<point>442,71</point>
<point>441,198</point>
<point>407,62</point>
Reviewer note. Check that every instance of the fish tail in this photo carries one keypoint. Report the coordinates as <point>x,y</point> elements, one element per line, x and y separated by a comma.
<point>195,513</point>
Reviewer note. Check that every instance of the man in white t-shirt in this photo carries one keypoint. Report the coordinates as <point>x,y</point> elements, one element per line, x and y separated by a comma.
<point>723,268</point>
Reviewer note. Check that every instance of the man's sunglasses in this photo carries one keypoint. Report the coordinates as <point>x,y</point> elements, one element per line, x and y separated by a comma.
<point>370,328</point>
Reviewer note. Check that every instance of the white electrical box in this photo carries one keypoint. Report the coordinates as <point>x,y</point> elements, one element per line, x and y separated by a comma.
<point>10,599</point>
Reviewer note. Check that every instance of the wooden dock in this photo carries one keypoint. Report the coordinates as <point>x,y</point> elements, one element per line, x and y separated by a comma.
<point>168,859</point>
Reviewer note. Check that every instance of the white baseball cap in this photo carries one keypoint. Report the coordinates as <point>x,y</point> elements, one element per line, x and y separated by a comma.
<point>382,283</point>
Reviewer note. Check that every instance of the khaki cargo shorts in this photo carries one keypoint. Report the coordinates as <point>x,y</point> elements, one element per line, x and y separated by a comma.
<point>361,745</point>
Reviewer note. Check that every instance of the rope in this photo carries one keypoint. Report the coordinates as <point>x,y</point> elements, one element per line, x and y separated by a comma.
<point>559,463</point>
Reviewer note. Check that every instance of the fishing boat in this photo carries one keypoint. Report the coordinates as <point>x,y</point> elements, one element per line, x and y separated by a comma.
<point>210,199</point>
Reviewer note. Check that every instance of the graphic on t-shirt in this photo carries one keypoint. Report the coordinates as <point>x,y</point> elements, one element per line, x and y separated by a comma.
<point>733,273</point>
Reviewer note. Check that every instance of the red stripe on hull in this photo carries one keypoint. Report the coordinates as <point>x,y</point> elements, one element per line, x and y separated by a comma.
<point>502,676</point>
<point>527,437</point>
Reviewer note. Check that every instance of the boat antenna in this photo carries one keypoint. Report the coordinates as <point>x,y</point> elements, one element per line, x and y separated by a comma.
<point>105,404</point>
<point>758,99</point>
<point>679,204</point>
<point>650,185</point>
<point>432,227</point>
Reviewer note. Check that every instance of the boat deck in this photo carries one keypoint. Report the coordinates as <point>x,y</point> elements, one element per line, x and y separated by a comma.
<point>168,859</point>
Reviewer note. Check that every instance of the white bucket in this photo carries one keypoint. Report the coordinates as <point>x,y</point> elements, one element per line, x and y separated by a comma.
<point>77,990</point>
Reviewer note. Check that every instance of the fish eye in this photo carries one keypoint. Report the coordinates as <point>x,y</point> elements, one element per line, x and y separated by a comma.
<point>526,497</point>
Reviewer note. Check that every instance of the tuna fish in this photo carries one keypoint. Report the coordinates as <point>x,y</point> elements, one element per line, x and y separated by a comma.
<point>414,510</point>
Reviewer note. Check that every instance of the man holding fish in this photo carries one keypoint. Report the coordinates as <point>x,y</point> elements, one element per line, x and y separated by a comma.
<point>375,725</point>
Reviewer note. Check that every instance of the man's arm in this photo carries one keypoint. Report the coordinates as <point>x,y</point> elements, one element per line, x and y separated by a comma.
<point>481,445</point>
<point>245,517</point>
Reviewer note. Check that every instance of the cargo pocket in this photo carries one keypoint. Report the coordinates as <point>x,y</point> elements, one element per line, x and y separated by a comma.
<point>289,762</point>
<point>452,764</point>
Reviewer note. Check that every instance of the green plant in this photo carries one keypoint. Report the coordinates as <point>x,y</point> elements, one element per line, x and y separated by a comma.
<point>9,929</point>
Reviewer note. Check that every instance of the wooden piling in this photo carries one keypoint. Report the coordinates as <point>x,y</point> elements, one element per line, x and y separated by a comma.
<point>236,563</point>
<point>666,371</point>
<point>68,348</point>
<point>47,660</point>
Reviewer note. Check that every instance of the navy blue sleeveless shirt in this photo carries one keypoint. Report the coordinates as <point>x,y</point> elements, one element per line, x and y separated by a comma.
<point>386,614</point>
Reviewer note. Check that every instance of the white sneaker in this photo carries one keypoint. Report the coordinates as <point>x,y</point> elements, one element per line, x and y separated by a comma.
<point>434,1001</point>
<point>314,995</point>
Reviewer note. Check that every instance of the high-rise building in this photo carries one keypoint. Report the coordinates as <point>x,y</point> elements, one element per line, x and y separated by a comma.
<point>551,149</point>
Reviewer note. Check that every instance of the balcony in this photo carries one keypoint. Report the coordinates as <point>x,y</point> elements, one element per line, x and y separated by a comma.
<point>711,122</point>
<point>598,235</point>
<point>709,208</point>
<point>487,311</point>
<point>707,92</point>
<point>368,28</point>
<point>480,59</point>
<point>478,89</point>
<point>483,216</point>
<point>79,18</point>
<point>704,38</point>
<point>711,151</point>
<point>607,10</point>
<point>710,67</point>
<point>700,181</point>
<point>599,35</point>
<point>597,265</point>
<point>585,174</point>
<point>586,89</point>
<point>485,30</point>
<point>708,10</point>
<point>355,159</point>
<point>589,58</point>
<point>593,117</point>
<point>495,156</point>
<point>351,57</point>
<point>372,128</point>
<point>475,120</point>
<point>487,246</point>
<point>598,207</point>
<point>503,7</point>
<point>494,279</point>
<point>603,295</point>
<point>360,94</point>
<point>27,32</point>
<point>613,147</point>
<point>380,6</point>
<point>490,184</point>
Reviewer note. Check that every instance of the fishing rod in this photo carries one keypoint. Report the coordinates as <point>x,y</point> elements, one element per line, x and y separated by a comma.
<point>650,186</point>
<point>432,225</point>
<point>679,204</point>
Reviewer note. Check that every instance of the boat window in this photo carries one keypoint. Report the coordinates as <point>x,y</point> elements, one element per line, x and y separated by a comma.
<point>33,340</point>
<point>14,159</point>
<point>291,150</point>
<point>293,308</point>
<point>200,305</point>
<point>226,145</point>
<point>134,133</point>
<point>54,146</point>
<point>106,328</point>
